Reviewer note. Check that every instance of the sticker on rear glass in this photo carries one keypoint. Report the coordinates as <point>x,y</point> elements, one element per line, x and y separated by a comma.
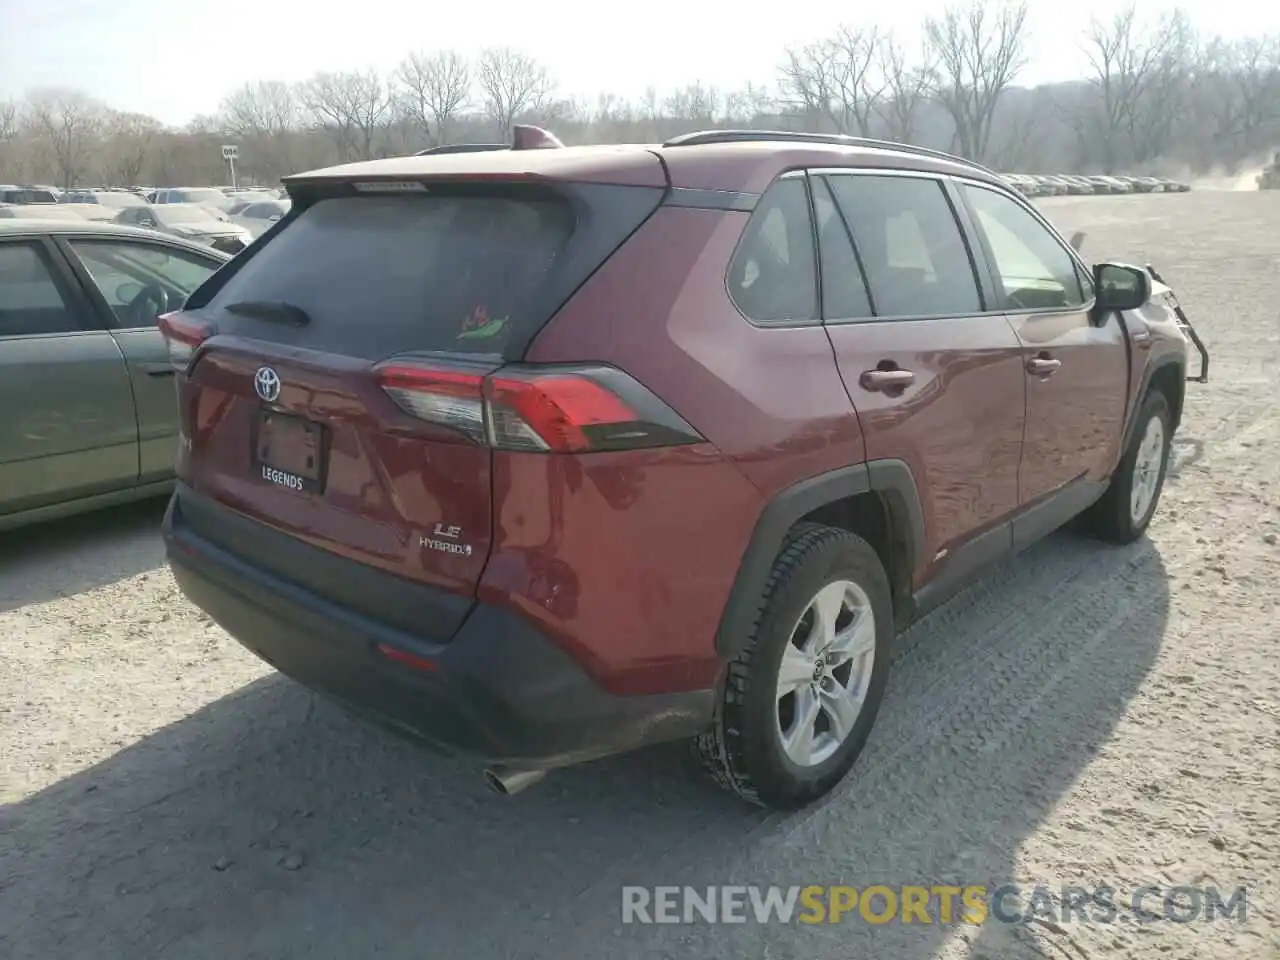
<point>480,326</point>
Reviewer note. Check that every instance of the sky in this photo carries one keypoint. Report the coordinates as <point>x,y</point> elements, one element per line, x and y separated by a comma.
<point>175,59</point>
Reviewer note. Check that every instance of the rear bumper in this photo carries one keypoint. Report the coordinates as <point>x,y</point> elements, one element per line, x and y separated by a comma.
<point>499,691</point>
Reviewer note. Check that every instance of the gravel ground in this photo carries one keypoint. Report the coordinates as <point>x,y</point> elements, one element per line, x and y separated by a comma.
<point>1086,715</point>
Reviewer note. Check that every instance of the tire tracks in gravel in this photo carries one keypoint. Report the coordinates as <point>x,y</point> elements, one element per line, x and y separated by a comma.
<point>978,662</point>
<point>933,731</point>
<point>1004,634</point>
<point>967,682</point>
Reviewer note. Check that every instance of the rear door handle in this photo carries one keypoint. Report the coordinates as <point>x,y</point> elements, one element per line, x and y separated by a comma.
<point>880,380</point>
<point>157,369</point>
<point>1043,366</point>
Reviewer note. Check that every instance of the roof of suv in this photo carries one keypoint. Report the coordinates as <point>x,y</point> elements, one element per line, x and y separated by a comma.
<point>715,160</point>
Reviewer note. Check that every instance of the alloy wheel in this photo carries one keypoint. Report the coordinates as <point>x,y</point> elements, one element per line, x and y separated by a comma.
<point>825,673</point>
<point>1146,470</point>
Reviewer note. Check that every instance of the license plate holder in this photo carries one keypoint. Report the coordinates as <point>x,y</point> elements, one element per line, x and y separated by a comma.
<point>290,451</point>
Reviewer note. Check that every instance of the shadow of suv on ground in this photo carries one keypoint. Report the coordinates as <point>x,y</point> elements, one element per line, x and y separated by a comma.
<point>269,825</point>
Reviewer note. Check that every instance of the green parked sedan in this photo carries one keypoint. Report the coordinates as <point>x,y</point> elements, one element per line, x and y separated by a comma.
<point>88,416</point>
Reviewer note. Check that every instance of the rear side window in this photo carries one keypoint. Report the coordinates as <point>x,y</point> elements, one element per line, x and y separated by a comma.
<point>916,260</point>
<point>380,275</point>
<point>772,275</point>
<point>31,302</point>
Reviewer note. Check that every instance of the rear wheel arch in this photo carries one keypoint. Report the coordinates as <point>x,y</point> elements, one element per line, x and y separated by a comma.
<point>877,500</point>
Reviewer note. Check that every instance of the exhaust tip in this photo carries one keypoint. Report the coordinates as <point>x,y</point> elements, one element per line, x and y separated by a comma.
<point>510,782</point>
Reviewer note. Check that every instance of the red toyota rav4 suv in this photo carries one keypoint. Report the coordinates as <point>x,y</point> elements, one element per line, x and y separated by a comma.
<point>545,454</point>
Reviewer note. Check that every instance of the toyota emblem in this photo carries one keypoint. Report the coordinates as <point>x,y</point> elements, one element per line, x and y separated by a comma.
<point>267,382</point>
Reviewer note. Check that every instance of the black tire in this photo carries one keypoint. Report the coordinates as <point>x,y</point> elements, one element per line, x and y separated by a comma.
<point>743,751</point>
<point>1111,519</point>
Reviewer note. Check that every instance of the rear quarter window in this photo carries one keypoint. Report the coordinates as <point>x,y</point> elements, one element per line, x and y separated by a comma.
<point>772,276</point>
<point>381,275</point>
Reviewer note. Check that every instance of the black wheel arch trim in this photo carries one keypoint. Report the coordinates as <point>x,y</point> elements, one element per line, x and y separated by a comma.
<point>891,479</point>
<point>1148,374</point>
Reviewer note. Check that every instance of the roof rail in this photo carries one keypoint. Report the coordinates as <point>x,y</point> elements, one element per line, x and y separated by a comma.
<point>795,136</point>
<point>462,148</point>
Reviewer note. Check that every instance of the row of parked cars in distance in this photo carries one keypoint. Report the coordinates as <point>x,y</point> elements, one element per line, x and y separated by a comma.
<point>225,218</point>
<point>1059,184</point>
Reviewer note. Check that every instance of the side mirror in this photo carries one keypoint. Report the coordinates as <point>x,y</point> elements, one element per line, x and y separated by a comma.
<point>1120,286</point>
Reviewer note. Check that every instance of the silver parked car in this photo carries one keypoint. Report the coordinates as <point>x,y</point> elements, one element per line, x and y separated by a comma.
<point>210,196</point>
<point>90,414</point>
<point>191,221</point>
<point>258,217</point>
<point>38,211</point>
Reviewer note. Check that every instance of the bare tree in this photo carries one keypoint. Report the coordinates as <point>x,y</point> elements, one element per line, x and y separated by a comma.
<point>979,51</point>
<point>1126,62</point>
<point>130,139</point>
<point>351,106</point>
<point>806,85</point>
<point>263,117</point>
<point>70,122</point>
<point>1244,76</point>
<point>838,79</point>
<point>1019,136</point>
<point>8,120</point>
<point>435,89</point>
<point>748,104</point>
<point>264,108</point>
<point>694,106</point>
<point>612,110</point>
<point>1151,123</point>
<point>514,85</point>
<point>906,88</point>
<point>11,145</point>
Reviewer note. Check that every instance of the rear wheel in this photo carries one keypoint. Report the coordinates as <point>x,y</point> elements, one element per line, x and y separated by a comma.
<point>800,699</point>
<point>1126,509</point>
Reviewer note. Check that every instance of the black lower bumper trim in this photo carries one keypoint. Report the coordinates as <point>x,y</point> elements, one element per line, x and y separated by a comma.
<point>501,691</point>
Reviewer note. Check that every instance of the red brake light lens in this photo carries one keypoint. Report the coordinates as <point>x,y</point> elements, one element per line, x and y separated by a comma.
<point>182,335</point>
<point>549,410</point>
<point>551,413</point>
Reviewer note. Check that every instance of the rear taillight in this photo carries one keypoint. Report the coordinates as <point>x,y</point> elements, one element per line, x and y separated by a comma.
<point>182,335</point>
<point>545,409</point>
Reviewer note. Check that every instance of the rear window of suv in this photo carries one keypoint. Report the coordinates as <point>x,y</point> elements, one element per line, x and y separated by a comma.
<point>380,275</point>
